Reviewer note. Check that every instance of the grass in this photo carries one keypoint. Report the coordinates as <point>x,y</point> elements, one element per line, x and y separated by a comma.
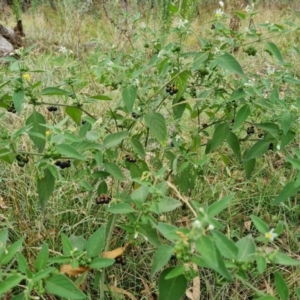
<point>70,210</point>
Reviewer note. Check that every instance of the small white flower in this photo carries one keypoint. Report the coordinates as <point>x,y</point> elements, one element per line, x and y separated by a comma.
<point>221,3</point>
<point>113,46</point>
<point>110,63</point>
<point>216,50</point>
<point>219,13</point>
<point>143,25</point>
<point>195,166</point>
<point>249,8</point>
<point>211,227</point>
<point>177,138</point>
<point>278,147</point>
<point>98,122</point>
<point>197,224</point>
<point>181,23</point>
<point>249,83</point>
<point>136,235</point>
<point>136,82</point>
<point>161,54</point>
<point>270,70</point>
<point>271,235</point>
<point>294,108</point>
<point>63,50</point>
<point>201,210</point>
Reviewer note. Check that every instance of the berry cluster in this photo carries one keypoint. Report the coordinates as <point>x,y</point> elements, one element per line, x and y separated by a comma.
<point>103,199</point>
<point>52,108</point>
<point>130,158</point>
<point>12,108</point>
<point>250,130</point>
<point>171,89</point>
<point>251,51</point>
<point>63,164</point>
<point>121,260</point>
<point>22,160</point>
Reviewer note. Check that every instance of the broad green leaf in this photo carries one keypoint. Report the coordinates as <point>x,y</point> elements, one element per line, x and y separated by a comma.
<point>140,194</point>
<point>272,128</point>
<point>151,234</point>
<point>114,139</point>
<point>246,248</point>
<point>100,97</point>
<point>281,286</point>
<point>286,139</point>
<point>129,95</point>
<point>10,282</point>
<point>75,113</point>
<point>95,242</point>
<point>261,264</point>
<point>241,116</point>
<point>294,161</point>
<point>45,187</point>
<point>43,274</point>
<point>284,260</point>
<point>286,121</point>
<point>178,270</point>
<point>168,231</point>
<point>249,167</point>
<point>11,251</point>
<point>181,82</point>
<point>161,258</point>
<point>289,190</point>
<point>260,225</point>
<point>273,49</point>
<point>229,63</point>
<point>164,205</point>
<point>120,208</point>
<point>101,262</point>
<point>62,286</point>
<point>22,262</point>
<point>211,256</point>
<point>54,91</point>
<point>114,171</point>
<point>234,144</point>
<point>218,206</point>
<point>226,246</point>
<point>7,156</point>
<point>257,150</point>
<point>42,258</point>
<point>67,246</point>
<point>77,242</point>
<point>69,151</point>
<point>18,98</point>
<point>3,239</point>
<point>199,59</point>
<point>171,289</point>
<point>220,134</point>
<point>138,147</point>
<point>157,126</point>
<point>36,120</point>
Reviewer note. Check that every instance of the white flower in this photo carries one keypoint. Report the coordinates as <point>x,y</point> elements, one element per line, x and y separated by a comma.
<point>63,50</point>
<point>181,23</point>
<point>136,82</point>
<point>216,50</point>
<point>271,235</point>
<point>249,83</point>
<point>196,224</point>
<point>98,122</point>
<point>136,235</point>
<point>249,8</point>
<point>219,13</point>
<point>210,227</point>
<point>278,147</point>
<point>110,63</point>
<point>161,54</point>
<point>270,70</point>
<point>143,25</point>
<point>294,108</point>
<point>177,138</point>
<point>221,3</point>
<point>201,210</point>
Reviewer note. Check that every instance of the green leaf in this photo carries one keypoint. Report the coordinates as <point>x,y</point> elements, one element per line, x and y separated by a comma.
<point>220,134</point>
<point>266,298</point>
<point>114,139</point>
<point>246,247</point>
<point>120,208</point>
<point>229,63</point>
<point>95,242</point>
<point>181,82</point>
<point>286,139</point>
<point>171,289</point>
<point>75,113</point>
<point>114,171</point>
<point>211,256</point>
<point>43,274</point>
<point>45,187</point>
<point>161,258</point>
<point>234,144</point>
<point>164,205</point>
<point>42,258</point>
<point>3,239</point>
<point>140,194</point>
<point>257,150</point>
<point>62,286</point>
<point>249,167</point>
<point>289,190</point>
<point>151,234</point>
<point>261,264</point>
<point>67,246</point>
<point>69,151</point>
<point>284,260</point>
<point>36,120</point>
<point>100,97</point>
<point>272,128</point>
<point>18,98</point>
<point>8,255</point>
<point>286,121</point>
<point>241,116</point>
<point>129,95</point>
<point>260,225</point>
<point>138,147</point>
<point>281,286</point>
<point>10,282</point>
<point>168,231</point>
<point>178,270</point>
<point>101,263</point>
<point>199,59</point>
<point>157,126</point>
<point>218,206</point>
<point>273,49</point>
<point>54,91</point>
<point>294,161</point>
<point>226,246</point>
<point>22,262</point>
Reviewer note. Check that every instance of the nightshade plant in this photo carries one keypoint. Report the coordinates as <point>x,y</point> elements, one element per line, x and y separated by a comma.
<point>174,112</point>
